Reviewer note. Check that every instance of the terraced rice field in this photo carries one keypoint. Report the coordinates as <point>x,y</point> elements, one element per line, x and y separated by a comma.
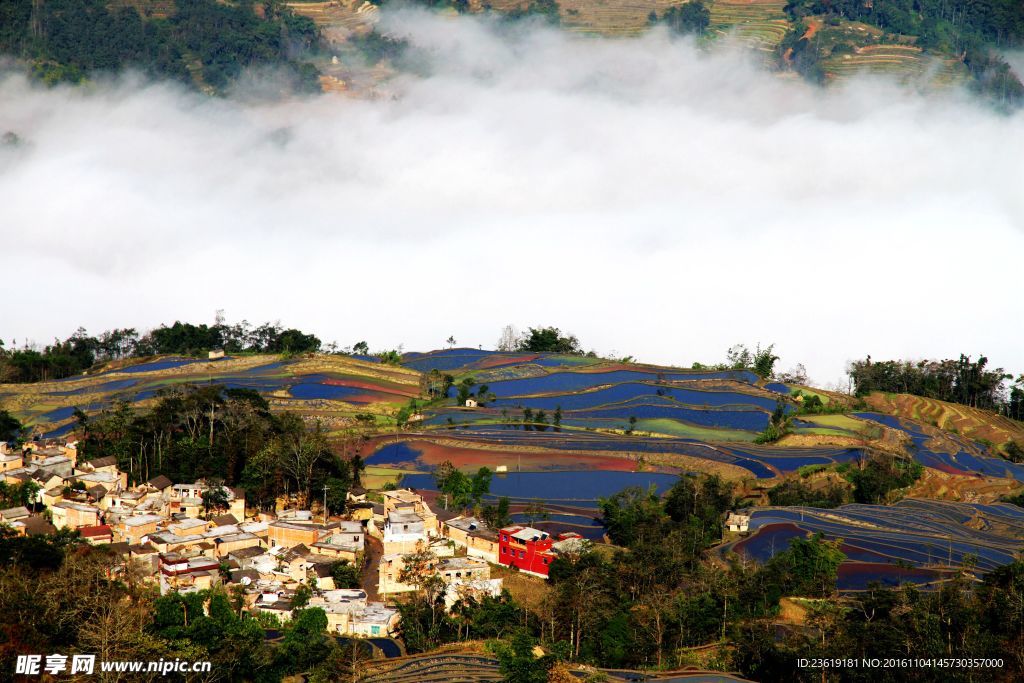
<point>614,416</point>
<point>761,24</point>
<point>611,17</point>
<point>447,668</point>
<point>603,17</point>
<point>912,541</point>
<point>474,447</point>
<point>900,61</point>
<point>470,668</point>
<point>326,385</point>
<point>837,425</point>
<point>948,453</point>
<point>572,489</point>
<point>338,19</point>
<point>971,422</point>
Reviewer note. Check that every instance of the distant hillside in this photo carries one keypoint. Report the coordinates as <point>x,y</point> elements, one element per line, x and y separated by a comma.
<point>936,39</point>
<point>931,43</point>
<point>208,43</point>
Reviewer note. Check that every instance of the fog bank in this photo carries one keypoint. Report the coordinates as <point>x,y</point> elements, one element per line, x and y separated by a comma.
<point>653,199</point>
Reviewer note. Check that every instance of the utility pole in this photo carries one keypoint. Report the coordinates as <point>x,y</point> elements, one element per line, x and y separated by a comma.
<point>325,504</point>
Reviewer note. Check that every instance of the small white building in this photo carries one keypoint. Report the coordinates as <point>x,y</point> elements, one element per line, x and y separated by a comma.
<point>403,531</point>
<point>737,523</point>
<point>471,403</point>
<point>376,619</point>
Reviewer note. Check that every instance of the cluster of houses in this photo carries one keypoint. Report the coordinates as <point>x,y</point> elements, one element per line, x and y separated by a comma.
<point>165,534</point>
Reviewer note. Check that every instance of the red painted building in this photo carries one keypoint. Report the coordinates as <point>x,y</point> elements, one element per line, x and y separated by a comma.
<point>526,548</point>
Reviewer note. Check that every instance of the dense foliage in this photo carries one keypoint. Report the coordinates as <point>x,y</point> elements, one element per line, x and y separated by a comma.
<point>879,477</point>
<point>966,381</point>
<point>10,427</point>
<point>691,17</point>
<point>959,620</point>
<point>797,492</point>
<point>202,41</point>
<point>459,490</point>
<point>549,340</point>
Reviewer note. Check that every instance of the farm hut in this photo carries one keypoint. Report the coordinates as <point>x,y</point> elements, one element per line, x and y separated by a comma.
<point>736,522</point>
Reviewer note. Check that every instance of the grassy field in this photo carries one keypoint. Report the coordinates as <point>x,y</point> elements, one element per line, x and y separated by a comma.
<point>375,478</point>
<point>842,425</point>
<point>690,431</point>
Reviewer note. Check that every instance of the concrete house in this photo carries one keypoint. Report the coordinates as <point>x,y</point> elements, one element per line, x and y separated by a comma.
<point>344,543</point>
<point>132,529</point>
<point>403,532</point>
<point>98,534</point>
<point>67,515</point>
<point>376,619</point>
<point>474,535</point>
<point>14,514</point>
<point>281,533</point>
<point>185,574</point>
<point>11,461</point>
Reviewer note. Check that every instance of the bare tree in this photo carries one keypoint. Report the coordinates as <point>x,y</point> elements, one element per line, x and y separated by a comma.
<point>509,338</point>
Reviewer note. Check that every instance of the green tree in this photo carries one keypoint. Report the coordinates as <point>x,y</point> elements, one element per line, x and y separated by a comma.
<point>497,516</point>
<point>809,567</point>
<point>690,17</point>
<point>345,574</point>
<point>10,427</point>
<point>480,485</point>
<point>517,661</point>
<point>215,498</point>
<point>549,340</point>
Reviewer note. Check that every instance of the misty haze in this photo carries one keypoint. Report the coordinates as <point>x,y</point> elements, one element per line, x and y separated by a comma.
<point>533,342</point>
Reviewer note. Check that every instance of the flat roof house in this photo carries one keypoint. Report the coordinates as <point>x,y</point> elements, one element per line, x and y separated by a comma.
<point>526,548</point>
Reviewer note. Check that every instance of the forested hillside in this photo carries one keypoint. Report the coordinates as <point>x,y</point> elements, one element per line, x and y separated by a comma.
<point>203,42</point>
<point>967,31</point>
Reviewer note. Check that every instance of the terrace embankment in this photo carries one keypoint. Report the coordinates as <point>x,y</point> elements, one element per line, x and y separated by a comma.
<point>478,453</point>
<point>854,432</point>
<point>940,485</point>
<point>970,422</point>
<point>469,662</point>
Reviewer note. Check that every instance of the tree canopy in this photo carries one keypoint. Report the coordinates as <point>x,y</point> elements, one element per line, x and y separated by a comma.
<point>71,39</point>
<point>549,340</point>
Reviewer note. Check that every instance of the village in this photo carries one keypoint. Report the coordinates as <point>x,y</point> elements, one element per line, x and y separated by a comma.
<point>192,536</point>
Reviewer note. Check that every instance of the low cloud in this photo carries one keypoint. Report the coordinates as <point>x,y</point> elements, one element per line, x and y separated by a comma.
<point>653,198</point>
